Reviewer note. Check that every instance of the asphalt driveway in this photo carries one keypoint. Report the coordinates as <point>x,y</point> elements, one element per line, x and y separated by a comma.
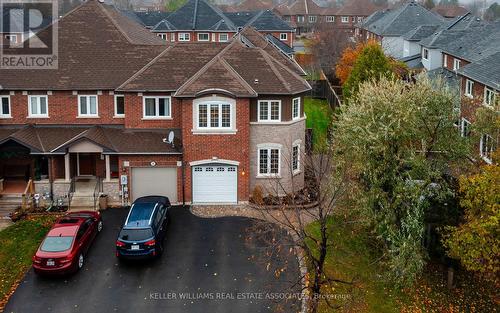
<point>209,265</point>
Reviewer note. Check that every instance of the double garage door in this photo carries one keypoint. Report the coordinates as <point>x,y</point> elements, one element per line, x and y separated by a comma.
<point>215,183</point>
<point>154,181</point>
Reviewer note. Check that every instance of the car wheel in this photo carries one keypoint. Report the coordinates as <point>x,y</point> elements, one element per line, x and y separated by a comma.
<point>99,226</point>
<point>80,261</point>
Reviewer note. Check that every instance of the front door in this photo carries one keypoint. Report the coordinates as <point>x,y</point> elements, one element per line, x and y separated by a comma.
<point>86,164</point>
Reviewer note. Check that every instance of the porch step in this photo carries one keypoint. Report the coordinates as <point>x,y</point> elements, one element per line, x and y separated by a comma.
<point>8,204</point>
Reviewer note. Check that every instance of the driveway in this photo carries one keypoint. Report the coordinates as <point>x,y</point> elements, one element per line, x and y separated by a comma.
<point>209,266</point>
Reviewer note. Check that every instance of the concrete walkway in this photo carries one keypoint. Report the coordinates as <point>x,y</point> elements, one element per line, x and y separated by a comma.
<point>4,223</point>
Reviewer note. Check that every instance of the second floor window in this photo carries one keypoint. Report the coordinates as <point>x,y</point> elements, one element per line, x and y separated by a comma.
<point>203,37</point>
<point>469,84</point>
<point>345,19</point>
<point>456,64</point>
<point>295,108</point>
<point>223,37</point>
<point>4,106</point>
<point>157,107</point>
<point>87,106</point>
<point>489,97</point>
<point>330,18</point>
<point>38,106</point>
<point>300,18</point>
<point>184,37</point>
<point>312,18</point>
<point>465,128</point>
<point>425,54</point>
<point>119,105</point>
<point>214,115</point>
<point>283,36</point>
<point>269,110</point>
<point>486,148</point>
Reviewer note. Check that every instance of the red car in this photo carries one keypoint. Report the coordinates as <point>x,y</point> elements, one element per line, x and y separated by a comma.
<point>64,248</point>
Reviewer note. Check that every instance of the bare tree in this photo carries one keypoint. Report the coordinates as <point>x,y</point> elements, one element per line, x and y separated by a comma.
<point>294,209</point>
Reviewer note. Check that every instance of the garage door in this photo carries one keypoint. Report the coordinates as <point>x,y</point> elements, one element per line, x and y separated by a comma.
<point>215,184</point>
<point>154,181</point>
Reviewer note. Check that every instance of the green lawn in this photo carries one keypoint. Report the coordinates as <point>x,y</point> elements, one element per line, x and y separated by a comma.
<point>18,243</point>
<point>350,259</point>
<point>319,118</point>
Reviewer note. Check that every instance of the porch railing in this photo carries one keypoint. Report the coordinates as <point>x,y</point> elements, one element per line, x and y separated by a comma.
<point>27,195</point>
<point>71,191</point>
<point>97,191</point>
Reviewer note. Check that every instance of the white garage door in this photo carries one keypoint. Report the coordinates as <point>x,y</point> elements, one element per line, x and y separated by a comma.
<point>215,184</point>
<point>154,181</point>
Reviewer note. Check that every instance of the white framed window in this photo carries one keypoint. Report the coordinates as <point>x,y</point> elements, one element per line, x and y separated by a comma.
<point>345,19</point>
<point>296,158</point>
<point>330,18</point>
<point>119,105</point>
<point>172,37</point>
<point>465,128</point>
<point>203,36</point>
<point>11,38</point>
<point>486,148</point>
<point>296,108</point>
<point>283,36</point>
<point>269,110</point>
<point>287,18</point>
<point>360,19</point>
<point>445,61</point>
<point>214,115</point>
<point>88,106</point>
<point>163,36</point>
<point>300,18</point>
<point>456,64</point>
<point>184,36</point>
<point>489,97</point>
<point>223,37</point>
<point>157,107</point>
<point>425,54</point>
<point>5,107</point>
<point>269,160</point>
<point>312,18</point>
<point>38,106</point>
<point>469,85</point>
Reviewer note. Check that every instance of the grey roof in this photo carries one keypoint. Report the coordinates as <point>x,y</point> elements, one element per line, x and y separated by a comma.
<point>199,15</point>
<point>485,71</point>
<point>401,20</point>
<point>451,78</point>
<point>413,61</point>
<point>286,49</point>
<point>260,20</point>
<point>150,19</point>
<point>420,32</point>
<point>13,20</point>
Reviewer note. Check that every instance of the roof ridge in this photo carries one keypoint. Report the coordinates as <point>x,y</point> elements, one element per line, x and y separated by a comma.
<point>195,11</point>
<point>145,67</point>
<point>273,68</point>
<point>402,8</point>
<point>39,139</point>
<point>202,70</point>
<point>107,137</point>
<point>115,23</point>
<point>77,136</point>
<point>297,76</point>
<point>220,13</point>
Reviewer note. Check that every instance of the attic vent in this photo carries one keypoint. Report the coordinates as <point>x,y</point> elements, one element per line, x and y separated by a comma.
<point>256,81</point>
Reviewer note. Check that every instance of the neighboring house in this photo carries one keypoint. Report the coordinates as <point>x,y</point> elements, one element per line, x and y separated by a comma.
<point>248,5</point>
<point>200,21</point>
<point>450,10</point>
<point>390,26</point>
<point>197,122</point>
<point>306,15</point>
<point>149,18</point>
<point>480,87</point>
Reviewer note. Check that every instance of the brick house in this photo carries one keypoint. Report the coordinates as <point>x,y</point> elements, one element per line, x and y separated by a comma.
<point>200,21</point>
<point>198,122</point>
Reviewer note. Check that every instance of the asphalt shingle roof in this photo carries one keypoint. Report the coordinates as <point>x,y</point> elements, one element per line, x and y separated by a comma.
<point>485,71</point>
<point>401,20</point>
<point>260,20</point>
<point>420,32</point>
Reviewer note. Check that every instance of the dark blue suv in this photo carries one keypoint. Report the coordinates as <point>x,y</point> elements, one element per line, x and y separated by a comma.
<point>144,230</point>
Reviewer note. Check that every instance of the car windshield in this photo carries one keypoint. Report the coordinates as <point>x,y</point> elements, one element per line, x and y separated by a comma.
<point>57,243</point>
<point>136,234</point>
<point>140,214</point>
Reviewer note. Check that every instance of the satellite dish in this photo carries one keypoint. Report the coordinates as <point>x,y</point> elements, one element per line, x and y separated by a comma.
<point>171,136</point>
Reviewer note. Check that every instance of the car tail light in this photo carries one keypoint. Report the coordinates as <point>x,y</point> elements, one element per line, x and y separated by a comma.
<point>120,244</point>
<point>37,259</point>
<point>64,260</point>
<point>150,243</point>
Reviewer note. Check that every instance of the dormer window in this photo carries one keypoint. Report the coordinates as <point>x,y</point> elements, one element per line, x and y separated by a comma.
<point>425,54</point>
<point>456,64</point>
